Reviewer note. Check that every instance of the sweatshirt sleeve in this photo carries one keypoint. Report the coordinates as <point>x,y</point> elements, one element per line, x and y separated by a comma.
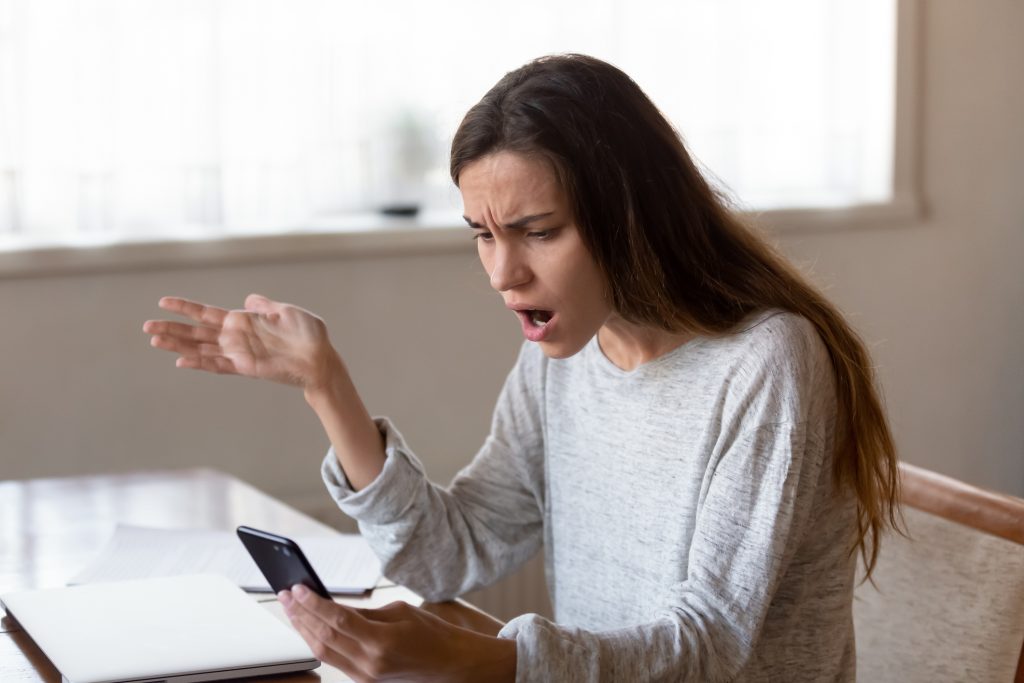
<point>442,542</point>
<point>756,509</point>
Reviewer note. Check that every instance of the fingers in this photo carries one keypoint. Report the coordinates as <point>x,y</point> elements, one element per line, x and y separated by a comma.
<point>326,642</point>
<point>198,344</point>
<point>166,328</point>
<point>196,356</point>
<point>216,364</point>
<point>339,617</point>
<point>322,650</point>
<point>186,347</point>
<point>208,315</point>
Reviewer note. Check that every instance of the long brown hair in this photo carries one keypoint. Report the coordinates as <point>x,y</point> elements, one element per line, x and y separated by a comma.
<point>674,255</point>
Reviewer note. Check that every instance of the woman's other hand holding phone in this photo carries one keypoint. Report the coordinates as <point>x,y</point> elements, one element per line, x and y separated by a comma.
<point>396,642</point>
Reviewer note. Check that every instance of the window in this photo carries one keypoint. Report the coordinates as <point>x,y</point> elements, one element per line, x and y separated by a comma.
<point>140,119</point>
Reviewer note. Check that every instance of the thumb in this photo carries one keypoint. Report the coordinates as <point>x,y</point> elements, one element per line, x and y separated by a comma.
<point>257,303</point>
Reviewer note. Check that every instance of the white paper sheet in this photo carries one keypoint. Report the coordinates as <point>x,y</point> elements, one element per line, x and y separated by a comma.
<point>344,562</point>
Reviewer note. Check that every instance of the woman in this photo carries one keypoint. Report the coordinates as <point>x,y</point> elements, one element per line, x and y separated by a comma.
<point>690,431</point>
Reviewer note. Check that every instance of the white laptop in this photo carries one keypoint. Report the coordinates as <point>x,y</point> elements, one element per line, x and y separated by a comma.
<point>180,629</point>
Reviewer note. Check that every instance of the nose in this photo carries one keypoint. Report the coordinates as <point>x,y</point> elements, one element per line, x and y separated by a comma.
<point>508,268</point>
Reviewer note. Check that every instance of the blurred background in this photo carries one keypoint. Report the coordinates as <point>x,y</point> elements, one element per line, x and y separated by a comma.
<point>211,149</point>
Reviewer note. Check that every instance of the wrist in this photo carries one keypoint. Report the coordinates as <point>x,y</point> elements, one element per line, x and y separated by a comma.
<point>508,656</point>
<point>327,381</point>
<point>496,661</point>
<point>358,443</point>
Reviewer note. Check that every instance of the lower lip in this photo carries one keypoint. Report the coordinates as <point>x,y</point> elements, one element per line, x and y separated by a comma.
<point>533,332</point>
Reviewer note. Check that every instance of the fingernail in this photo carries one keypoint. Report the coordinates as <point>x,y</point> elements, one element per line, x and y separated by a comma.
<point>285,598</point>
<point>300,591</point>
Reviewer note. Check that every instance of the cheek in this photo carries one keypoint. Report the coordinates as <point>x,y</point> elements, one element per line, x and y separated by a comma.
<point>597,307</point>
<point>484,255</point>
<point>589,286</point>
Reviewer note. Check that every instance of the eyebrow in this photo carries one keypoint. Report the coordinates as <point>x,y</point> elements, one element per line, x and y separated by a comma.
<point>518,223</point>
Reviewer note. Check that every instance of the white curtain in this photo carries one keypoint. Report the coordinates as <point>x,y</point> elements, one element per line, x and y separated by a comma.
<point>135,118</point>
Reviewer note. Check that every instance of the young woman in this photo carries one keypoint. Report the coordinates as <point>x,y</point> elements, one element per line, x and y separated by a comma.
<point>691,431</point>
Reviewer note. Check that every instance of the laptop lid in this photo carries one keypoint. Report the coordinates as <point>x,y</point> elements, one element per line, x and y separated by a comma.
<point>180,629</point>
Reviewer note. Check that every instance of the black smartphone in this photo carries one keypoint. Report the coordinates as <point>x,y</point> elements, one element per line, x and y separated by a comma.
<point>281,561</point>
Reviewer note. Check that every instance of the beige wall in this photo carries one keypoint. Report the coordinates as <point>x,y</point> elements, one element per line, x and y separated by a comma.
<point>939,301</point>
<point>942,301</point>
<point>84,392</point>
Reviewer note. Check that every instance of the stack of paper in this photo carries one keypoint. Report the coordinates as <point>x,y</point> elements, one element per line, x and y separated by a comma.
<point>344,562</point>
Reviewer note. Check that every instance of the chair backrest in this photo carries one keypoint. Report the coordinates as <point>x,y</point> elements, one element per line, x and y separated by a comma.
<point>949,602</point>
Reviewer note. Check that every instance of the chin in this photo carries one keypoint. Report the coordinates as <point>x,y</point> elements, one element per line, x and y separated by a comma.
<point>558,350</point>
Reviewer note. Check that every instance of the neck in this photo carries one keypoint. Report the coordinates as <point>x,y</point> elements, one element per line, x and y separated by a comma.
<point>628,345</point>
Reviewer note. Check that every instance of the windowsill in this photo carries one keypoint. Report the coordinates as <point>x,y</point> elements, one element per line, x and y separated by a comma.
<point>345,237</point>
<point>362,235</point>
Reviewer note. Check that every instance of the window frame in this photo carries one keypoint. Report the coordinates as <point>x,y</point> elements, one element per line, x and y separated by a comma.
<point>369,234</point>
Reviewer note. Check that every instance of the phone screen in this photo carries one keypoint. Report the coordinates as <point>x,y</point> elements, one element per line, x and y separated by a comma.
<point>281,561</point>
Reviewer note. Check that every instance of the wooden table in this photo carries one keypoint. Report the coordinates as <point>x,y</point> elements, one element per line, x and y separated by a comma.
<point>52,528</point>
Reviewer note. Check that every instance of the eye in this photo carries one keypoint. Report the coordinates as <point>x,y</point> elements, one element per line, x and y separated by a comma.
<point>540,234</point>
<point>483,235</point>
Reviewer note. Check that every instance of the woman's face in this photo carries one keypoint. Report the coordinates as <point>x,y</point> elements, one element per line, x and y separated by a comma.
<point>532,251</point>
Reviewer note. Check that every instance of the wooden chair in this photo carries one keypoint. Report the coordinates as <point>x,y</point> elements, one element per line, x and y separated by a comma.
<point>949,602</point>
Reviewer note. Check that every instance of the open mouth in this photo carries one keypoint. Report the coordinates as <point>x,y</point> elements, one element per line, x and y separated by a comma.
<point>537,317</point>
<point>537,323</point>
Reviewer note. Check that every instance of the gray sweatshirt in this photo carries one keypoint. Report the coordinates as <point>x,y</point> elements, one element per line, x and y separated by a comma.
<point>692,528</point>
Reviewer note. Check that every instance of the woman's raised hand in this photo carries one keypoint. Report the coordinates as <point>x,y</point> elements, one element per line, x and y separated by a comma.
<point>267,339</point>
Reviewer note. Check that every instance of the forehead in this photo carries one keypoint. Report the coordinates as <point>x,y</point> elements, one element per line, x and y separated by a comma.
<point>509,183</point>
